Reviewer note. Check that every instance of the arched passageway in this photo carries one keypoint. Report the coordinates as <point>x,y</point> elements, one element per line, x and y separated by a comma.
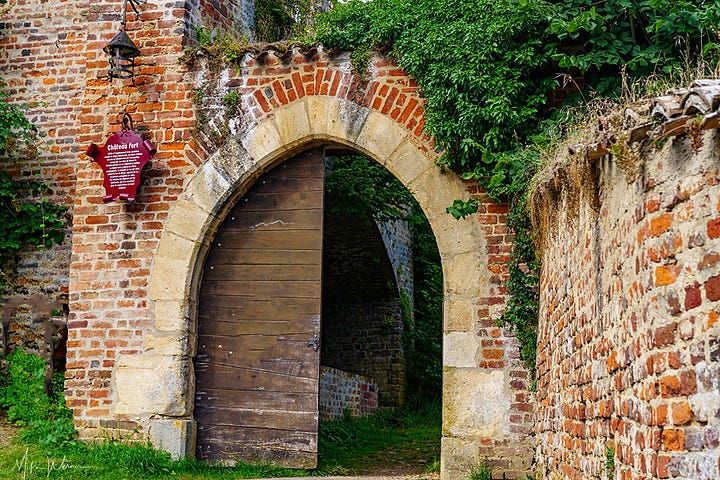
<point>290,103</point>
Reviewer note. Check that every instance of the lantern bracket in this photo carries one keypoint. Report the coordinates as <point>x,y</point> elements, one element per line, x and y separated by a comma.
<point>134,4</point>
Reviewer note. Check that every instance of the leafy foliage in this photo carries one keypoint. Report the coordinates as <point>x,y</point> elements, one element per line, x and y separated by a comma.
<point>22,392</point>
<point>477,64</point>
<point>25,219</point>
<point>485,68</point>
<point>366,189</point>
<point>639,35</point>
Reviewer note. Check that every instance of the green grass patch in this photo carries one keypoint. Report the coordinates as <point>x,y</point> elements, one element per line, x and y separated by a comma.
<point>113,460</point>
<point>404,440</point>
<point>37,440</point>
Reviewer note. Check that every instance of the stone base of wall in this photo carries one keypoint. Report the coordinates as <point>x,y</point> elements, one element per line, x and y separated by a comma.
<point>342,392</point>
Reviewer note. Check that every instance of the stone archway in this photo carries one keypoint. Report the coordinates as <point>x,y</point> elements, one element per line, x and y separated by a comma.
<point>483,384</point>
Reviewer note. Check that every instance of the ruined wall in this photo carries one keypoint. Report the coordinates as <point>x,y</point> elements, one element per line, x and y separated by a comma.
<point>628,354</point>
<point>343,393</point>
<point>362,324</point>
<point>42,61</point>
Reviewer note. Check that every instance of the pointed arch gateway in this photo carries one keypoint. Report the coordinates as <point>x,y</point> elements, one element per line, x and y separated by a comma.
<point>476,401</point>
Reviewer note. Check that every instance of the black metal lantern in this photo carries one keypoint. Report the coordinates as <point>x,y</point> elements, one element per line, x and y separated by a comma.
<point>122,50</point>
<point>122,53</point>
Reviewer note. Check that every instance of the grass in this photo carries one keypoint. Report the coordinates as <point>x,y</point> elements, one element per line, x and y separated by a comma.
<point>401,441</point>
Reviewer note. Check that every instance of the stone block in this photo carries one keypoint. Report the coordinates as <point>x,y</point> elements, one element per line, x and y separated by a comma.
<point>188,220</point>
<point>208,189</point>
<point>345,119</point>
<point>171,315</point>
<point>175,436</point>
<point>233,162</point>
<point>171,273</point>
<point>316,108</point>
<point>435,191</point>
<point>460,349</point>
<point>292,123</point>
<point>408,162</point>
<point>475,403</point>
<point>167,343</point>
<point>465,273</point>
<point>153,385</point>
<point>453,237</point>
<point>263,143</point>
<point>380,136</point>
<point>458,455</point>
<point>459,313</point>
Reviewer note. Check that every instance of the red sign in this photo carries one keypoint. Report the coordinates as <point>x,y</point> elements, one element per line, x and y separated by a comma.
<point>122,158</point>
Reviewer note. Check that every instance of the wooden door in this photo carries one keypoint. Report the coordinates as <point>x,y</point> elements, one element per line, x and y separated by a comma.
<point>259,306</point>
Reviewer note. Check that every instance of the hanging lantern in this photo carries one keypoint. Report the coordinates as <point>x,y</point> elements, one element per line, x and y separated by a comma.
<point>122,50</point>
<point>122,53</point>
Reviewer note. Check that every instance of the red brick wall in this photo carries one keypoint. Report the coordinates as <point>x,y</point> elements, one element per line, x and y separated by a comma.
<point>500,348</point>
<point>114,243</point>
<point>628,356</point>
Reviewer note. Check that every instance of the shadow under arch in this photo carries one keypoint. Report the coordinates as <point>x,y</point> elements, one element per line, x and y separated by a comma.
<point>167,403</point>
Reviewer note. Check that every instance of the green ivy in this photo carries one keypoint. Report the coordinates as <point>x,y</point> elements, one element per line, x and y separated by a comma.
<point>366,189</point>
<point>486,68</point>
<point>521,309</point>
<point>25,217</point>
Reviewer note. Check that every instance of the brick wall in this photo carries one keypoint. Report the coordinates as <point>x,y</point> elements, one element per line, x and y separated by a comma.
<point>344,393</point>
<point>114,243</point>
<point>628,352</point>
<point>42,62</point>
<point>362,324</point>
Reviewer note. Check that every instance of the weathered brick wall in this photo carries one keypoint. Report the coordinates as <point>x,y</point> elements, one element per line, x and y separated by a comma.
<point>499,347</point>
<point>114,243</point>
<point>344,393</point>
<point>628,356</point>
<point>42,62</point>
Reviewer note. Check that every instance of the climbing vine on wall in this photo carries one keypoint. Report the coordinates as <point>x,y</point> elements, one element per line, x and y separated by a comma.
<point>486,68</point>
<point>25,217</point>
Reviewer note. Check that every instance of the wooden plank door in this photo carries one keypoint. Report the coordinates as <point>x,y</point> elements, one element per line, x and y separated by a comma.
<point>259,306</point>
